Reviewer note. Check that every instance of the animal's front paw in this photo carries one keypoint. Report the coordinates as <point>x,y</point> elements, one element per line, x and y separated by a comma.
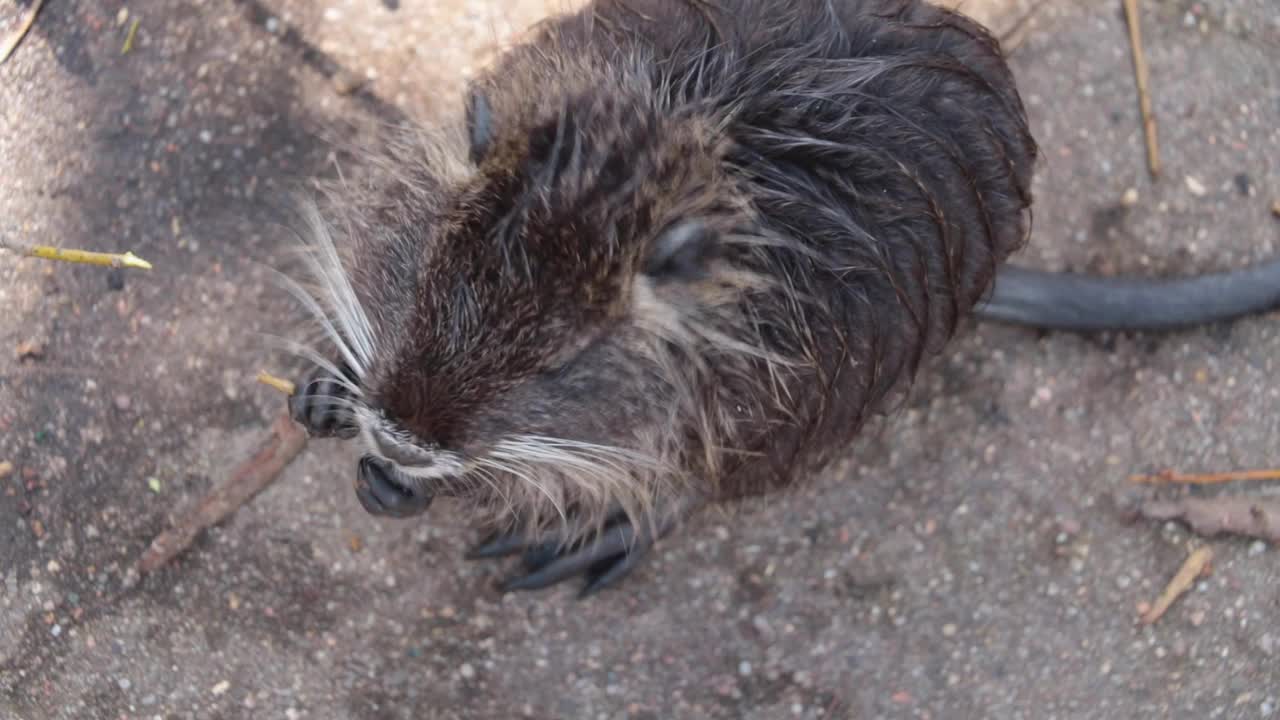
<point>602,560</point>
<point>323,405</point>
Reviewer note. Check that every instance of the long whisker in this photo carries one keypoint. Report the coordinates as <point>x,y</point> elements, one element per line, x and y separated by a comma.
<point>309,302</point>
<point>295,348</point>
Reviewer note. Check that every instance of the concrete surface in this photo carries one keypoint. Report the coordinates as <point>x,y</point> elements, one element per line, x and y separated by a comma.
<point>967,560</point>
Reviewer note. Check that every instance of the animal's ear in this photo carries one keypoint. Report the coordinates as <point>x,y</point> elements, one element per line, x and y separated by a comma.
<point>683,251</point>
<point>479,124</point>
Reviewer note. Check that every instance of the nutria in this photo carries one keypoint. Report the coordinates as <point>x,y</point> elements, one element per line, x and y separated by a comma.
<point>676,252</point>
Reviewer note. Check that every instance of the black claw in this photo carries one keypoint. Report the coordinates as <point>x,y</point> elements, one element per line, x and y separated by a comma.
<point>497,545</point>
<point>602,560</point>
<point>608,572</point>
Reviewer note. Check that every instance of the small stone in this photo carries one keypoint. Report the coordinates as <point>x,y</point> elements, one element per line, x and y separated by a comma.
<point>30,350</point>
<point>53,567</point>
<point>122,17</point>
<point>1257,548</point>
<point>1195,186</point>
<point>221,687</point>
<point>1130,197</point>
<point>744,668</point>
<point>6,469</point>
<point>345,83</point>
<point>273,25</point>
<point>1244,184</point>
<point>206,137</point>
<point>1197,618</point>
<point>466,671</point>
<point>1267,644</point>
<point>292,714</point>
<point>949,630</point>
<point>332,14</point>
<point>1275,208</point>
<point>122,402</point>
<point>124,684</point>
<point>56,630</point>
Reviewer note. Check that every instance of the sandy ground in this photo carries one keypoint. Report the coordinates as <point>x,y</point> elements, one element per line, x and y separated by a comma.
<point>967,560</point>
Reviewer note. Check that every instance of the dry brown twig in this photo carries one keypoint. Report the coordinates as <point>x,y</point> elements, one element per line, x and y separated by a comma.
<point>1012,39</point>
<point>1196,565</point>
<point>1225,514</point>
<point>1144,94</point>
<point>286,440</point>
<point>1173,478</point>
<point>23,28</point>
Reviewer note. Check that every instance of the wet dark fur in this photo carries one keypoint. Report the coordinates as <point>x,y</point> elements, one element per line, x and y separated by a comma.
<point>716,234</point>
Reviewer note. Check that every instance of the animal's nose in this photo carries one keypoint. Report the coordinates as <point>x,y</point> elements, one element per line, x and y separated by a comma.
<point>402,454</point>
<point>383,490</point>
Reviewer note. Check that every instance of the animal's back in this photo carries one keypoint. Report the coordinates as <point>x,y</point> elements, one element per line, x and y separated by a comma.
<point>883,143</point>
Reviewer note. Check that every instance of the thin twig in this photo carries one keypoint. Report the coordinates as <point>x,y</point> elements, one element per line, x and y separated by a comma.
<point>1013,38</point>
<point>1169,477</point>
<point>1250,517</point>
<point>1144,95</point>
<point>286,440</point>
<point>85,257</point>
<point>280,384</point>
<point>12,43</point>
<point>128,40</point>
<point>1196,564</point>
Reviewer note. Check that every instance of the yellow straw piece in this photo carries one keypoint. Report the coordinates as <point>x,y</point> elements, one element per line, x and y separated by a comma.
<point>128,41</point>
<point>86,257</point>
<point>280,384</point>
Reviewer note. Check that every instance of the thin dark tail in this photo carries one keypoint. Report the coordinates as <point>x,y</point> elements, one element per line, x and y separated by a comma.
<point>1085,303</point>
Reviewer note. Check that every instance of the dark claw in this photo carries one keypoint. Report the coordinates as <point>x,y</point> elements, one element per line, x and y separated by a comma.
<point>603,560</point>
<point>497,545</point>
<point>382,490</point>
<point>320,406</point>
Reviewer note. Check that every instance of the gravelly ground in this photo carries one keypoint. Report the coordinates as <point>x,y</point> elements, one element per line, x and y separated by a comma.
<point>968,560</point>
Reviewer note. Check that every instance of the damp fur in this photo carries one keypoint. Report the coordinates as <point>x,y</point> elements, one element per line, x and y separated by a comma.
<point>668,253</point>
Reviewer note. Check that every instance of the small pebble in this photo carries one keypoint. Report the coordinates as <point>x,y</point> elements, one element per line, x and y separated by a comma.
<point>221,687</point>
<point>115,279</point>
<point>273,25</point>
<point>744,668</point>
<point>1195,186</point>
<point>466,671</point>
<point>6,469</point>
<point>122,402</point>
<point>1244,184</point>
<point>1267,644</point>
<point>1257,548</point>
<point>206,137</point>
<point>1130,197</point>
<point>949,630</point>
<point>124,684</point>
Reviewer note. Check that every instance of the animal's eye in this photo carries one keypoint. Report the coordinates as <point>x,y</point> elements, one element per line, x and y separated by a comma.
<point>682,251</point>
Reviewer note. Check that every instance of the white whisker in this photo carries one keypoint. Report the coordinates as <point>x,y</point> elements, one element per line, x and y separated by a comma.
<point>328,269</point>
<point>309,302</point>
<point>295,348</point>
